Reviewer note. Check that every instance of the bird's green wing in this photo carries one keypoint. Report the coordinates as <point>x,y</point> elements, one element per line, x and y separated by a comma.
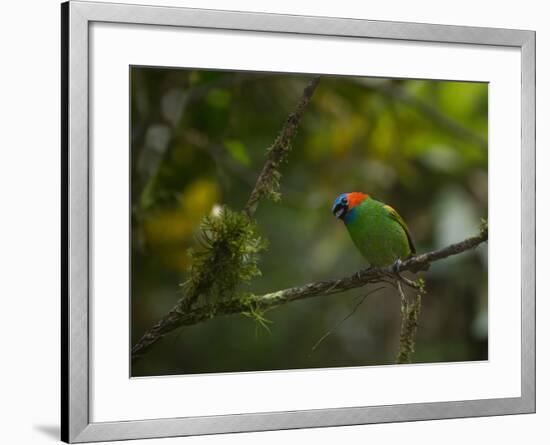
<point>396,217</point>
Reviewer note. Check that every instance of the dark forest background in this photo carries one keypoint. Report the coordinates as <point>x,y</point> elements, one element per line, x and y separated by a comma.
<point>198,141</point>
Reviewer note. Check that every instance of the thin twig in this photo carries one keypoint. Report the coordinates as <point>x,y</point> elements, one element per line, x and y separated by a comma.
<point>343,320</point>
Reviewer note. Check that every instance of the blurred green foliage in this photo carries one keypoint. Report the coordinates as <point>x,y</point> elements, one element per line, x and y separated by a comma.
<point>198,142</point>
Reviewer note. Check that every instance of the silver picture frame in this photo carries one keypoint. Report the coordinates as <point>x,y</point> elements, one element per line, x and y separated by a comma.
<point>76,18</point>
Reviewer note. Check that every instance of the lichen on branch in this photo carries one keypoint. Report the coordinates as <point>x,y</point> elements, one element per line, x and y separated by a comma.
<point>225,257</point>
<point>410,314</point>
<point>268,182</point>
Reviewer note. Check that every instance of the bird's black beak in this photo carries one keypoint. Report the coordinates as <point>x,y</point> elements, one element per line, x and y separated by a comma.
<point>339,211</point>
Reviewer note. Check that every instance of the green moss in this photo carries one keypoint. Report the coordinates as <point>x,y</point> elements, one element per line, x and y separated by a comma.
<point>255,311</point>
<point>272,184</point>
<point>226,256</point>
<point>483,226</point>
<point>410,314</point>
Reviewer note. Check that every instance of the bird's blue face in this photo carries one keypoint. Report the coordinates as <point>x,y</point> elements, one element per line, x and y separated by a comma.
<point>341,206</point>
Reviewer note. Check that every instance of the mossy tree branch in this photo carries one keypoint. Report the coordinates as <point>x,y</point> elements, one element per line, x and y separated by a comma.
<point>244,304</point>
<point>410,313</point>
<point>267,184</point>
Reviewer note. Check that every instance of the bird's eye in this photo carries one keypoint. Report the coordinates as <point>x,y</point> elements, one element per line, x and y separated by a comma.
<point>345,201</point>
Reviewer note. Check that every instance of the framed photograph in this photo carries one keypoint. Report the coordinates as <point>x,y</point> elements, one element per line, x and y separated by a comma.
<point>275,222</point>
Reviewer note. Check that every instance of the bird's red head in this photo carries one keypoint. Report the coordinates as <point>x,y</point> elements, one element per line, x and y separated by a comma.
<point>356,198</point>
<point>346,202</point>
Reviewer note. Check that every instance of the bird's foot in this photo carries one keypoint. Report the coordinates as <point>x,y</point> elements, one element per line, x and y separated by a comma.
<point>396,270</point>
<point>396,267</point>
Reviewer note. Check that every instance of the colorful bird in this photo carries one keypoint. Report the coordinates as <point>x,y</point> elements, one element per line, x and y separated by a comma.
<point>376,229</point>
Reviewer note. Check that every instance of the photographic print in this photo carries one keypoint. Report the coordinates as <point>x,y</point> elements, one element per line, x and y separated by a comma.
<point>235,223</point>
<point>295,221</point>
